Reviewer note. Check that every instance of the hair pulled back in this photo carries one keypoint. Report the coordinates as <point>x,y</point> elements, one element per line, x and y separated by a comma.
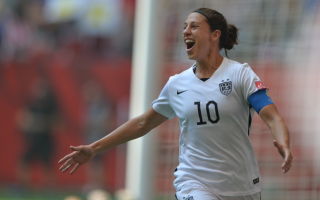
<point>216,21</point>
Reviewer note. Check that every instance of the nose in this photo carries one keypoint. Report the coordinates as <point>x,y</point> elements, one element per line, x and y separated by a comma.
<point>186,31</point>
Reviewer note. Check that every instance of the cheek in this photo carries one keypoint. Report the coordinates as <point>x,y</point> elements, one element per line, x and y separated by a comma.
<point>205,44</point>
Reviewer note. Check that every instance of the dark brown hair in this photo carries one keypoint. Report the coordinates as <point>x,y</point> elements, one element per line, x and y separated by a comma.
<point>216,21</point>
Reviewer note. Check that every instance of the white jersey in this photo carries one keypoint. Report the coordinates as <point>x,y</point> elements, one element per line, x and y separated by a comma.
<point>215,152</point>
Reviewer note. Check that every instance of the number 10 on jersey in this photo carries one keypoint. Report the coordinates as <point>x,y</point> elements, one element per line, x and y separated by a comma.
<point>211,111</point>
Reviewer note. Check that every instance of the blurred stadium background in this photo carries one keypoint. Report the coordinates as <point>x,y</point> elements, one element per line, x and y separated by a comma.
<point>83,49</point>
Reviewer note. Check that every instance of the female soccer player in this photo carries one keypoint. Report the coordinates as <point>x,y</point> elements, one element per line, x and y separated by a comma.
<point>213,100</point>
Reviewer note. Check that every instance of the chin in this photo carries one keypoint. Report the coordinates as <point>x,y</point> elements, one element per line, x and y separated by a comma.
<point>191,56</point>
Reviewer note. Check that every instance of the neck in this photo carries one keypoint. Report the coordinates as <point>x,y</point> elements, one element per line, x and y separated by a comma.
<point>205,68</point>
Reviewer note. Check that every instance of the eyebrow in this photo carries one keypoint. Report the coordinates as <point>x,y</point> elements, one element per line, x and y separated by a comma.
<point>193,22</point>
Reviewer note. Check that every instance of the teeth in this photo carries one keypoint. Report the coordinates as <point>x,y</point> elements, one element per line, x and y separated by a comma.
<point>190,43</point>
<point>187,41</point>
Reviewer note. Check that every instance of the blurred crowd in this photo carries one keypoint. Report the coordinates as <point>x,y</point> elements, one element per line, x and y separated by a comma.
<point>57,87</point>
<point>80,27</point>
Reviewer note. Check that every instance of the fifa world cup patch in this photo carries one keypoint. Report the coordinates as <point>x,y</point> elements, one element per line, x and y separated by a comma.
<point>225,87</point>
<point>260,85</point>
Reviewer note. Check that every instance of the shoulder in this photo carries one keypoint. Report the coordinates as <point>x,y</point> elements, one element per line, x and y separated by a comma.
<point>237,66</point>
<point>238,70</point>
<point>186,74</point>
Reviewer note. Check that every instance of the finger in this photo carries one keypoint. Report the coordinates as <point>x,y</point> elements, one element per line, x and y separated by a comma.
<point>287,163</point>
<point>286,168</point>
<point>66,168</point>
<point>65,165</point>
<point>75,167</point>
<point>66,157</point>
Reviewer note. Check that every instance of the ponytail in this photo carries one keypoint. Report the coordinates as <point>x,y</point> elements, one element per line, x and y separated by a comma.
<point>231,37</point>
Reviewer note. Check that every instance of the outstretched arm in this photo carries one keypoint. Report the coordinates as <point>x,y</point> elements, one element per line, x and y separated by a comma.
<point>130,130</point>
<point>270,115</point>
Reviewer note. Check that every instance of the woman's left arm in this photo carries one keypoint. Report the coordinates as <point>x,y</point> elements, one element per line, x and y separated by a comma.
<point>270,115</point>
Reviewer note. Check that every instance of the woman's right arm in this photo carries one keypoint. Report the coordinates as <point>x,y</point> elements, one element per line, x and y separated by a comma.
<point>132,129</point>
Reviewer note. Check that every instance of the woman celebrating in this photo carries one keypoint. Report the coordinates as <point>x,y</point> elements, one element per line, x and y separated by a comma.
<point>214,100</point>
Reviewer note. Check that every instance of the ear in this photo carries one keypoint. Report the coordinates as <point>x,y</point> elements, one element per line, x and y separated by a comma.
<point>215,35</point>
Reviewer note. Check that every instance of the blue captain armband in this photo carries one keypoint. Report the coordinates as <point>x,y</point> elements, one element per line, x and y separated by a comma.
<point>259,100</point>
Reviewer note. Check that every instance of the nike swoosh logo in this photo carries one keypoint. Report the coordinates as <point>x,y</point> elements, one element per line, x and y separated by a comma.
<point>179,92</point>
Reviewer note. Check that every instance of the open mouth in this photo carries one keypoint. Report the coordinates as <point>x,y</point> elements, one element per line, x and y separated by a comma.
<point>190,44</point>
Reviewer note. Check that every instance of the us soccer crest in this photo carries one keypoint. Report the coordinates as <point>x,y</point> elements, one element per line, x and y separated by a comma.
<point>225,87</point>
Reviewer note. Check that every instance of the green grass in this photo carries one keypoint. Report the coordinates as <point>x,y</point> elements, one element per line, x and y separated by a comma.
<point>16,194</point>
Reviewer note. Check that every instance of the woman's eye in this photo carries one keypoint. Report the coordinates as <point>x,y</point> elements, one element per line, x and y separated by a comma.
<point>191,26</point>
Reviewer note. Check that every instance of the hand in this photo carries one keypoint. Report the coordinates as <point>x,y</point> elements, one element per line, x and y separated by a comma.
<point>80,155</point>
<point>286,155</point>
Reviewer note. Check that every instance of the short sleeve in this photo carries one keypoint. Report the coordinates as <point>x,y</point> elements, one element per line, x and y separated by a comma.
<point>250,82</point>
<point>162,103</point>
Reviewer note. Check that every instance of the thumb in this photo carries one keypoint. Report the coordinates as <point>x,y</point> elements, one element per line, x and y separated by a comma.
<point>276,144</point>
<point>77,148</point>
<point>287,162</point>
